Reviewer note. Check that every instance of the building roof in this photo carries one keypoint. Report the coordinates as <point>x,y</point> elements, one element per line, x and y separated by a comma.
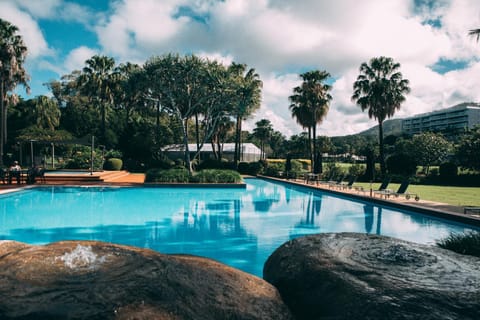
<point>461,106</point>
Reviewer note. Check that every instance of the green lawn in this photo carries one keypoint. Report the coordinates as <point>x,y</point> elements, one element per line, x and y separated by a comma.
<point>457,196</point>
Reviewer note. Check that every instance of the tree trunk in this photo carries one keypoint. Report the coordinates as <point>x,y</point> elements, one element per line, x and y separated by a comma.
<point>103,122</point>
<point>188,164</point>
<point>197,137</point>
<point>310,147</point>
<point>238,137</point>
<point>2,107</point>
<point>383,168</point>
<point>314,153</point>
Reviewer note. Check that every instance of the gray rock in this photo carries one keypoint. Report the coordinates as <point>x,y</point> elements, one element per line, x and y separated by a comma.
<point>93,280</point>
<point>358,276</point>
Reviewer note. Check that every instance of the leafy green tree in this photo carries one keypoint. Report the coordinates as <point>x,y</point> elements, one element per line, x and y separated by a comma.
<point>12,73</point>
<point>186,86</point>
<point>380,89</point>
<point>310,104</point>
<point>429,148</point>
<point>468,150</point>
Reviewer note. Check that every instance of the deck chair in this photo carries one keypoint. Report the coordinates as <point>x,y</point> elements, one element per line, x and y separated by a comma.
<point>402,191</point>
<point>349,183</point>
<point>382,187</point>
<point>336,183</point>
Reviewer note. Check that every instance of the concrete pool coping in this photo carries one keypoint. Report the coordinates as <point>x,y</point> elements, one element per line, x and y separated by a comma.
<point>436,209</point>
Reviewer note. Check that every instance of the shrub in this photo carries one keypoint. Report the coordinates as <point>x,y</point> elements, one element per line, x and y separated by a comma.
<point>333,170</point>
<point>297,166</point>
<point>356,170</point>
<point>448,170</point>
<point>255,168</point>
<point>217,176</point>
<point>171,175</point>
<point>113,164</point>
<point>467,243</point>
<point>212,164</point>
<point>243,167</point>
<point>401,164</point>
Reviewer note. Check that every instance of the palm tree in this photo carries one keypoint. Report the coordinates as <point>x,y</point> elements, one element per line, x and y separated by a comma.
<point>47,113</point>
<point>248,94</point>
<point>474,33</point>
<point>96,83</point>
<point>262,132</point>
<point>310,104</point>
<point>12,57</point>
<point>380,89</point>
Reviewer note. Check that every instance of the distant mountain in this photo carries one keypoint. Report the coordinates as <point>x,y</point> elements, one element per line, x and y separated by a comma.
<point>390,127</point>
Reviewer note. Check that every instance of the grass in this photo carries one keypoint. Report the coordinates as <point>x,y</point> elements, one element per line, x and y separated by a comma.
<point>456,196</point>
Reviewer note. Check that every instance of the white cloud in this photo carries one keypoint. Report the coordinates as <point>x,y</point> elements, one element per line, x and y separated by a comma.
<point>28,29</point>
<point>75,60</point>
<point>281,39</point>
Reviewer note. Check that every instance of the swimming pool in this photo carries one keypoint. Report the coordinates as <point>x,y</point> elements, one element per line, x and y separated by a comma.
<point>239,227</point>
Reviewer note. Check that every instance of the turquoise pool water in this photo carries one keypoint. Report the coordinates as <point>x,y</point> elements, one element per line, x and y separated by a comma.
<point>240,227</point>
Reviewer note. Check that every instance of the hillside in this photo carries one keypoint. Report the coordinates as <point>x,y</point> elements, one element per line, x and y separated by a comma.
<point>390,127</point>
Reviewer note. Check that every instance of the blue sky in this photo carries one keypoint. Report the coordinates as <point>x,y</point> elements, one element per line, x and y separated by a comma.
<point>279,38</point>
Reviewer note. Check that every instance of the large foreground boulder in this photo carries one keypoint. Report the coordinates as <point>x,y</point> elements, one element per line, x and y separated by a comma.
<point>93,280</point>
<point>358,276</point>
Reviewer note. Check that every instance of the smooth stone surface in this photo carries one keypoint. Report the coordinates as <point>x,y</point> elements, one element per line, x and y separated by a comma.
<point>94,280</point>
<point>358,276</point>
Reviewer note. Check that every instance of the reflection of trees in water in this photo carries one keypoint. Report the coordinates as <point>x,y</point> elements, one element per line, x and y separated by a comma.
<point>368,210</point>
<point>379,220</point>
<point>266,197</point>
<point>313,207</point>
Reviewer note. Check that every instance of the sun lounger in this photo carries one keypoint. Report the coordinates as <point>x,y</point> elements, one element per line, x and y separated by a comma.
<point>402,191</point>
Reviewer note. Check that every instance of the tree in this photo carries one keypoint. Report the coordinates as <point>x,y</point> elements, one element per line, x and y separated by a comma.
<point>96,83</point>
<point>12,73</point>
<point>248,91</point>
<point>428,148</point>
<point>310,104</point>
<point>186,86</point>
<point>46,113</point>
<point>380,89</point>
<point>468,150</point>
<point>262,132</point>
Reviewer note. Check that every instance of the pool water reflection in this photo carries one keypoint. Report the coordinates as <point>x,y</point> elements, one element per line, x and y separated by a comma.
<point>240,227</point>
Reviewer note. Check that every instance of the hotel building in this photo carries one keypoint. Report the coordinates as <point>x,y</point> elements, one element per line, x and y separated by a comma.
<point>448,121</point>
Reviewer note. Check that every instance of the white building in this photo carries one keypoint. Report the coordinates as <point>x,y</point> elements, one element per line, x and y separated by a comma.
<point>248,153</point>
<point>450,120</point>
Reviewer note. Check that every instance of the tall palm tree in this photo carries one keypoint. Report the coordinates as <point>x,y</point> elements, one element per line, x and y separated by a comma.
<point>248,94</point>
<point>309,105</point>
<point>380,89</point>
<point>12,57</point>
<point>262,132</point>
<point>96,83</point>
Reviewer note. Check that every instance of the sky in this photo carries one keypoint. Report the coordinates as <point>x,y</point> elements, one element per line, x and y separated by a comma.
<point>280,39</point>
